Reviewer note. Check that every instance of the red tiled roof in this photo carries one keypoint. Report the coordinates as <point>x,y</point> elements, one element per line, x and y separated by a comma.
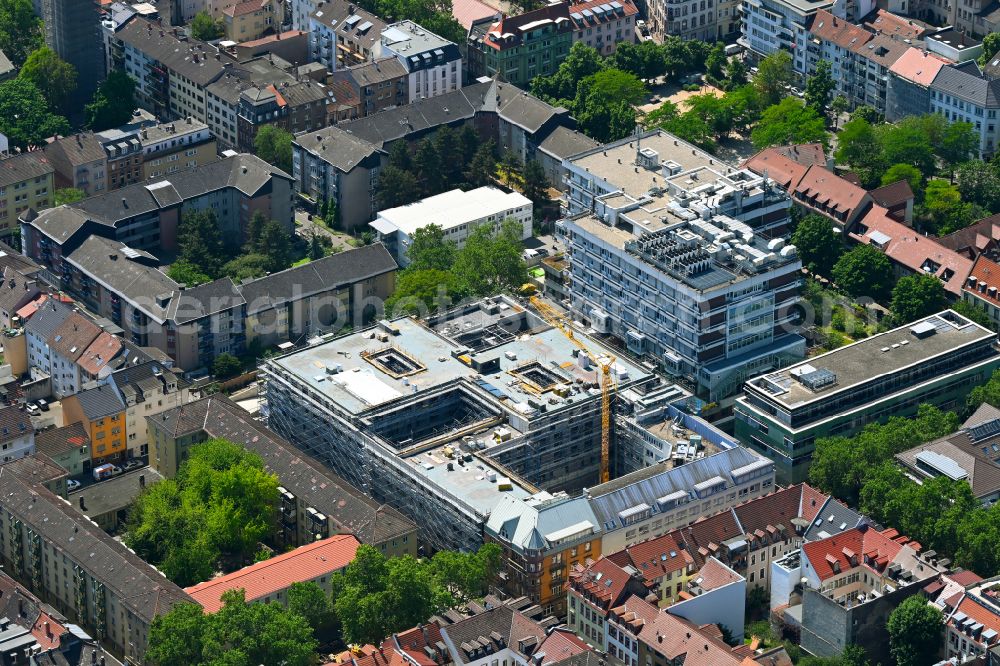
<point>73,337</point>
<point>822,188</point>
<point>812,502</point>
<point>965,577</point>
<point>628,9</point>
<point>561,644</point>
<point>265,578</point>
<point>842,33</point>
<point>975,610</point>
<point>889,24</point>
<point>893,194</point>
<point>915,251</point>
<point>248,7</point>
<point>714,574</point>
<point>917,66</point>
<point>636,613</point>
<point>506,33</point>
<point>104,348</point>
<point>658,557</point>
<point>468,11</point>
<point>861,542</point>
<point>603,579</point>
<point>678,639</point>
<point>777,166</point>
<point>987,274</point>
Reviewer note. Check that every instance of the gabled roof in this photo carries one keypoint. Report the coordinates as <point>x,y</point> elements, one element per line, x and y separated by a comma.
<point>917,66</point>
<point>604,580</point>
<point>894,194</point>
<point>822,188</point>
<point>871,549</point>
<point>913,250</point>
<point>57,441</point>
<point>468,11</point>
<point>561,644</point>
<point>973,240</point>
<point>48,318</point>
<point>73,337</point>
<point>499,626</point>
<point>780,166</point>
<point>14,423</point>
<point>841,32</point>
<point>714,574</point>
<point>24,166</point>
<point>892,25</point>
<point>509,31</point>
<point>97,355</point>
<point>98,402</point>
<point>260,580</point>
<point>655,558</point>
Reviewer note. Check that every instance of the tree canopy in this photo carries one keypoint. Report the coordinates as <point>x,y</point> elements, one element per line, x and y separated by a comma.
<point>491,261</point>
<point>274,145</point>
<point>114,102</point>
<point>789,121</point>
<point>25,117</point>
<point>20,30</point>
<point>54,77</point>
<point>817,244</point>
<point>915,629</point>
<point>205,28</point>
<point>916,296</point>
<point>864,271</point>
<point>216,510</point>
<point>820,87</point>
<point>774,73</point>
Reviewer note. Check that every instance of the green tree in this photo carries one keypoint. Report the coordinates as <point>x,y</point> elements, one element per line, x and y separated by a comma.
<point>25,118</point>
<point>483,167</point>
<point>535,186</point>
<point>581,62</point>
<point>866,113</point>
<point>916,296</point>
<point>68,195</point>
<point>604,101</point>
<point>20,30</point>
<point>186,273</point>
<point>113,102</point>
<point>491,261</point>
<point>915,628</point>
<point>510,164</point>
<point>817,243</point>
<point>200,242</point>
<point>399,156</point>
<point>859,147</point>
<point>838,106</point>
<point>449,153</point>
<point>774,73</point>
<point>988,393</point>
<point>54,77</point>
<point>430,250</point>
<point>396,187</point>
<point>790,121</point>
<point>820,87</point>
<point>310,601</point>
<point>468,141</point>
<point>958,144</point>
<point>467,575</point>
<point>736,73</point>
<point>715,63</point>
<point>225,366</point>
<point>257,634</point>
<point>864,271</point>
<point>943,210</point>
<point>907,172</point>
<point>247,266</point>
<point>427,168</point>
<point>906,143</point>
<point>276,245</point>
<point>424,291</point>
<point>979,183</point>
<point>691,127</point>
<point>274,145</point>
<point>177,638</point>
<point>991,46</point>
<point>205,28</point>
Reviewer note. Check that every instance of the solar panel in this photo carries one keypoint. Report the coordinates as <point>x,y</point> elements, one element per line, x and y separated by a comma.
<point>984,430</point>
<point>365,26</point>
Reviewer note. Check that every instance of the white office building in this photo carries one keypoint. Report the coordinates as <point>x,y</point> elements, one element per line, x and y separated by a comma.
<point>456,212</point>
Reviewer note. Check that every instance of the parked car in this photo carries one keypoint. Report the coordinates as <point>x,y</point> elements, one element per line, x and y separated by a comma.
<point>116,470</point>
<point>132,463</point>
<point>106,471</point>
<point>71,485</point>
<point>33,409</point>
<point>43,405</point>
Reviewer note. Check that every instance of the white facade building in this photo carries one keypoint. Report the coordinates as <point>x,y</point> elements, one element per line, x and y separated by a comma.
<point>434,64</point>
<point>770,25</point>
<point>456,212</point>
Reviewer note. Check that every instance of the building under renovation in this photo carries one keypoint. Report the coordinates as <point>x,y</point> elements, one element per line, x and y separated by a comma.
<point>443,418</point>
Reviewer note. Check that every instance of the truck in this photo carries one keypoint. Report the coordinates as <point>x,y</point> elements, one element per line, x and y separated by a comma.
<point>102,472</point>
<point>733,49</point>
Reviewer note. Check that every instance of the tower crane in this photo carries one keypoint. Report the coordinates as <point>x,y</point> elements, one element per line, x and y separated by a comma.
<point>604,364</point>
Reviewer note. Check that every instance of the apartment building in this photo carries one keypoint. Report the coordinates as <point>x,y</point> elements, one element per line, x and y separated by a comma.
<point>972,617</point>
<point>66,345</point>
<point>692,19</point>
<point>981,286</point>
<point>76,567</point>
<point>908,87</point>
<point>964,93</point>
<point>123,152</point>
<point>170,147</point>
<point>649,221</point>
<point>603,25</point>
<point>268,581</point>
<point>518,48</point>
<point>146,389</point>
<point>770,25</point>
<point>935,360</point>
<point>17,434</point>
<point>593,590</point>
<point>434,64</point>
<point>27,180</point>
<point>252,19</point>
<point>369,87</point>
<point>72,28</point>
<point>958,457</point>
<point>315,503</point>
<point>457,212</point>
<point>102,413</point>
<point>341,34</point>
<point>79,162</point>
<point>68,446</point>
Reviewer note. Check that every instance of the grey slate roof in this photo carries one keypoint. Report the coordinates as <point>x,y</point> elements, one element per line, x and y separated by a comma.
<point>510,625</point>
<point>563,142</point>
<point>192,58</point>
<point>145,378</point>
<point>205,299</point>
<point>335,13</point>
<point>967,83</point>
<point>16,289</point>
<point>48,318</point>
<point>523,109</point>
<point>340,148</point>
<point>347,508</point>
<point>99,402</point>
<point>57,441</point>
<point>18,168</point>
<point>829,519</point>
<point>376,71</point>
<point>14,422</point>
<point>317,276</point>
<point>82,148</point>
<point>137,585</point>
<point>526,524</point>
<point>61,222</point>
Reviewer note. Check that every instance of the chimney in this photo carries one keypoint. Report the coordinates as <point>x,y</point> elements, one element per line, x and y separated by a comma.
<point>142,480</point>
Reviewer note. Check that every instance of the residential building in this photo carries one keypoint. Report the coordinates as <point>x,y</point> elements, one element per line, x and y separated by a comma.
<point>170,147</point>
<point>374,86</point>
<point>981,286</point>
<point>39,329</point>
<point>252,19</point>
<point>434,64</point>
<point>908,86</point>
<point>123,153</point>
<point>96,581</point>
<point>972,619</point>
<point>441,368</point>
<point>457,212</point>
<point>17,434</point>
<point>964,93</point>
<point>593,590</point>
<point>32,627</point>
<point>556,149</point>
<point>79,162</point>
<point>102,414</point>
<point>770,25</point>
<point>509,636</point>
<point>315,503</point>
<point>16,291</point>
<point>268,581</point>
<point>603,25</point>
<point>66,346</point>
<point>146,389</point>
<point>663,565</point>
<point>646,218</point>
<point>912,252</point>
<point>935,360</point>
<point>72,29</point>
<point>291,46</point>
<point>692,19</point>
<point>516,49</point>
<point>974,240</point>
<point>851,582</point>
<point>68,446</point>
<point>342,163</point>
<point>540,547</point>
<point>146,215</point>
<point>27,180</point>
<point>341,34</point>
<point>955,460</point>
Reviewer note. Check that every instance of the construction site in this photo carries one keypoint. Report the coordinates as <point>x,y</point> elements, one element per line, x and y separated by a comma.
<point>441,418</point>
